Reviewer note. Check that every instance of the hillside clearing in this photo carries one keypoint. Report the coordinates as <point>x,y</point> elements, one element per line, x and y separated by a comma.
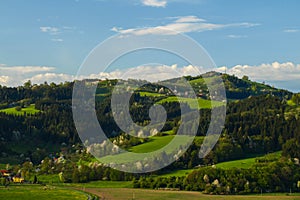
<point>27,110</point>
<point>246,163</point>
<point>156,143</point>
<point>193,103</point>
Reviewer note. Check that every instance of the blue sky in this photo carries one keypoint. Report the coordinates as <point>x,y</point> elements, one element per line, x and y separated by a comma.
<point>48,40</point>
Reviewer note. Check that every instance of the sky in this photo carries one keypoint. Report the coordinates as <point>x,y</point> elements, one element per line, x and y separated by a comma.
<point>49,40</point>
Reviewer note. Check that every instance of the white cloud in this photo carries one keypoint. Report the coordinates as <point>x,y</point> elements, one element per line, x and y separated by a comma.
<point>4,80</point>
<point>50,30</point>
<point>56,31</point>
<point>190,18</point>
<point>24,69</point>
<point>57,40</point>
<point>237,36</point>
<point>14,75</point>
<point>154,3</point>
<point>183,24</point>
<point>51,77</point>
<point>17,75</point>
<point>150,72</point>
<point>291,31</point>
<point>266,72</point>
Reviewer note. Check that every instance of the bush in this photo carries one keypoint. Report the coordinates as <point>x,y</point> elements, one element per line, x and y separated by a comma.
<point>18,108</point>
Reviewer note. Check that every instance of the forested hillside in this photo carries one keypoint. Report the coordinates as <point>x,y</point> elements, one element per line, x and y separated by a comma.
<point>36,123</point>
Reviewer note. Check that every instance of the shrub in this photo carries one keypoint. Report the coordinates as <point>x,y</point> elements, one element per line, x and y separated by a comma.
<point>18,108</point>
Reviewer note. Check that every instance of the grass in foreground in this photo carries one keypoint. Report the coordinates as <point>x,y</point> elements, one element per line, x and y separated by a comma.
<point>29,192</point>
<point>127,193</point>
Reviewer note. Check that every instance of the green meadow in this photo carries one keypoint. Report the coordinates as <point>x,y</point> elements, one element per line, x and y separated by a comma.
<point>38,192</point>
<point>193,103</point>
<point>155,143</point>
<point>242,164</point>
<point>28,110</point>
<point>246,163</point>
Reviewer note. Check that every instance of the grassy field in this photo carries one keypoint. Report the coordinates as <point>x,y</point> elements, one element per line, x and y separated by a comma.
<point>291,103</point>
<point>143,194</point>
<point>38,192</point>
<point>116,191</point>
<point>202,81</point>
<point>28,110</point>
<point>194,104</point>
<point>150,94</point>
<point>244,163</point>
<point>202,103</point>
<point>156,143</point>
<point>170,132</point>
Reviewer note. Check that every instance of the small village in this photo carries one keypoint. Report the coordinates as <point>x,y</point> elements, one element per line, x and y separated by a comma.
<point>9,177</point>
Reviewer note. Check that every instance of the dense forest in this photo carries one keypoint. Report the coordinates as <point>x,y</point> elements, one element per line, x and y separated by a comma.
<point>260,119</point>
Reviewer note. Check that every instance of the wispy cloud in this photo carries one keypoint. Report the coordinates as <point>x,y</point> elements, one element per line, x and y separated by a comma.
<point>51,77</point>
<point>155,3</point>
<point>237,36</point>
<point>50,30</point>
<point>164,3</point>
<point>57,40</point>
<point>291,30</point>
<point>188,19</point>
<point>24,69</point>
<point>56,31</point>
<point>182,24</point>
